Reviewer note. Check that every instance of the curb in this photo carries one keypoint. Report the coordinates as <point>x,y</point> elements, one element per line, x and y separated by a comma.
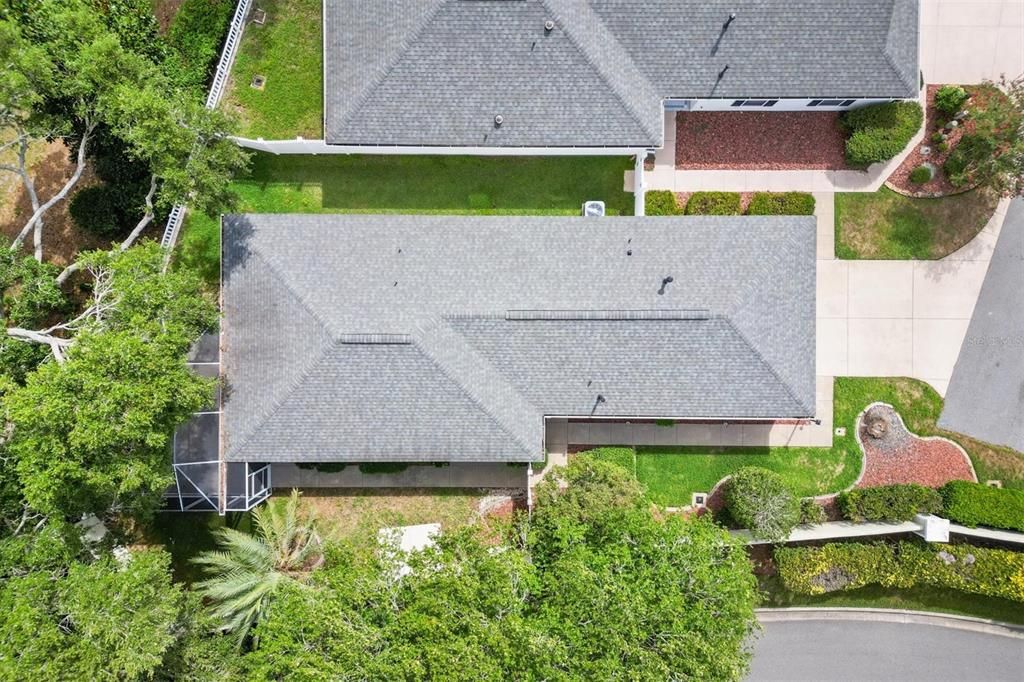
<point>970,624</point>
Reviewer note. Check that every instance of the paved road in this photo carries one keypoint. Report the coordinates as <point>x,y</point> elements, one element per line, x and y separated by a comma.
<point>863,651</point>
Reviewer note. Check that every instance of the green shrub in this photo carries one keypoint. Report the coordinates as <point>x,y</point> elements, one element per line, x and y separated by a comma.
<point>760,500</point>
<point>938,138</point>
<point>323,467</point>
<point>383,467</point>
<point>943,147</point>
<point>194,39</point>
<point>848,566</point>
<point>94,209</point>
<point>781,203</point>
<point>921,175</point>
<point>661,202</point>
<point>889,502</point>
<point>811,512</point>
<point>972,150</point>
<point>976,504</point>
<point>880,131</point>
<point>713,203</point>
<point>950,98</point>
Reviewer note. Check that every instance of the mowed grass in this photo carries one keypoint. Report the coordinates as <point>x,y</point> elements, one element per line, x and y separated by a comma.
<point>673,473</point>
<point>411,184</point>
<point>887,225</point>
<point>288,52</point>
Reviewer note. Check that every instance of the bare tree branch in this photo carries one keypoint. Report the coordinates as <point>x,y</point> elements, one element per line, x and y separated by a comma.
<point>146,219</point>
<point>32,222</point>
<point>56,344</point>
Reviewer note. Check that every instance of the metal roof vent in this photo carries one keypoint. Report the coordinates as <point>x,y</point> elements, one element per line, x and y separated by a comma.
<point>549,26</point>
<point>498,120</point>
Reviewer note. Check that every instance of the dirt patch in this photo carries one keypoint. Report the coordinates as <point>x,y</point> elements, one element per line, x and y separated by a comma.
<point>892,454</point>
<point>728,140</point>
<point>165,11</point>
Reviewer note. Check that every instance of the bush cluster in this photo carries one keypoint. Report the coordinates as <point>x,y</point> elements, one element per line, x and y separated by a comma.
<point>811,512</point>
<point>950,98</point>
<point>383,467</point>
<point>972,150</point>
<point>889,502</point>
<point>194,40</point>
<point>781,203</point>
<point>848,566</point>
<point>760,500</point>
<point>880,131</point>
<point>661,202</point>
<point>921,175</point>
<point>713,203</point>
<point>976,504</point>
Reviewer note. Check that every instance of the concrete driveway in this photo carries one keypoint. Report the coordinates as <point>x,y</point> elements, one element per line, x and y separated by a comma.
<point>822,650</point>
<point>967,41</point>
<point>899,318</point>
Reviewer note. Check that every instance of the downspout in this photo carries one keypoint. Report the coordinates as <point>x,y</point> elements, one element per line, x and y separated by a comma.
<point>639,185</point>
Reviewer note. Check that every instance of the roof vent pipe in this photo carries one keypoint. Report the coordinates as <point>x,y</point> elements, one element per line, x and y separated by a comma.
<point>498,120</point>
<point>549,26</point>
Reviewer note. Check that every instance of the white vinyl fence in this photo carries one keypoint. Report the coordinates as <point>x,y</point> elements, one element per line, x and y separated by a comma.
<point>220,80</point>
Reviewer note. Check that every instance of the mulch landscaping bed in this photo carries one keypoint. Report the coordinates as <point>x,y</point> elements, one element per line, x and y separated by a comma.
<point>783,140</point>
<point>899,456</point>
<point>935,121</point>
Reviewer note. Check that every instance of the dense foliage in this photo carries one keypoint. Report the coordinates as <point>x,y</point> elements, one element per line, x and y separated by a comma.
<point>760,500</point>
<point>847,566</point>
<point>30,295</point>
<point>889,502</point>
<point>976,504</point>
<point>194,42</point>
<point>949,99</point>
<point>879,132</point>
<point>588,588</point>
<point>713,203</point>
<point>661,202</point>
<point>993,153</point>
<point>781,203</point>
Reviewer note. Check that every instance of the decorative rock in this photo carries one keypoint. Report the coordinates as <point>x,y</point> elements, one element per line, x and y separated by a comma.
<point>968,560</point>
<point>946,557</point>
<point>877,427</point>
<point>926,150</point>
<point>952,125</point>
<point>962,115</point>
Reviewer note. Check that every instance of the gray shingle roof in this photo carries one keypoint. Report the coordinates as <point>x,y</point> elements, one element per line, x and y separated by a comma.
<point>428,338</point>
<point>437,72</point>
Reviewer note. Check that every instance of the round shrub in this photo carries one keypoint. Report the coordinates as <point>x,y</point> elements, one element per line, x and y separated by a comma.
<point>713,203</point>
<point>921,175</point>
<point>950,98</point>
<point>760,500</point>
<point>889,502</point>
<point>781,203</point>
<point>811,512</point>
<point>661,202</point>
<point>94,209</point>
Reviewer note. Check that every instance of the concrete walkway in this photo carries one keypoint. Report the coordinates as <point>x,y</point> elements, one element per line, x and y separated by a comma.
<point>967,41</point>
<point>900,318</point>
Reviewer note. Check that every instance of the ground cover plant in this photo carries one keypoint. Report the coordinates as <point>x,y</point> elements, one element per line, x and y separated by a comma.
<point>288,52</point>
<point>879,132</point>
<point>976,504</point>
<point>888,225</point>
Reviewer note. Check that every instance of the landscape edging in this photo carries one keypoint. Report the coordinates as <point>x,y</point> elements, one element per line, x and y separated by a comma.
<point>936,619</point>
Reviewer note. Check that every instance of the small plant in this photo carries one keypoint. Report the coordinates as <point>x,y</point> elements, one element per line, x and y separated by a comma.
<point>661,202</point>
<point>938,138</point>
<point>950,99</point>
<point>943,147</point>
<point>713,203</point>
<point>811,512</point>
<point>921,175</point>
<point>760,500</point>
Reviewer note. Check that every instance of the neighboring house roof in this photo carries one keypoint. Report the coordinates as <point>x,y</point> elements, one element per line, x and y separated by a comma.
<point>985,398</point>
<point>437,72</point>
<point>446,338</point>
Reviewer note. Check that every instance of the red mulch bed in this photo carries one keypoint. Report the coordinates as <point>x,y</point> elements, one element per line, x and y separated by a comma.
<point>783,140</point>
<point>900,456</point>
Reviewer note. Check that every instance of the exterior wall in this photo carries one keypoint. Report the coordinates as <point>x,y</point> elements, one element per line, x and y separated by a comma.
<point>454,475</point>
<point>780,104</point>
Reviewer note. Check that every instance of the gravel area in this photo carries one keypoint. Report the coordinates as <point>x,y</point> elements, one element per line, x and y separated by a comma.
<point>899,456</point>
<point>776,140</point>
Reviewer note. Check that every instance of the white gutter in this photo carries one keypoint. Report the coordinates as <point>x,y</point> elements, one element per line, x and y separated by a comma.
<point>302,146</point>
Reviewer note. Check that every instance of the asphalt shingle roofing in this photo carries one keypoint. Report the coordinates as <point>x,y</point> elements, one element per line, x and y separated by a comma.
<point>438,72</point>
<point>448,338</point>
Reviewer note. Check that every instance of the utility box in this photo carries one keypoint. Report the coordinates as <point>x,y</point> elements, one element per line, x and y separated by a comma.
<point>933,528</point>
<point>593,209</point>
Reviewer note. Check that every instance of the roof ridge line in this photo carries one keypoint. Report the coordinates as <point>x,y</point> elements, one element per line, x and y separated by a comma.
<point>385,71</point>
<point>640,76</point>
<point>782,382</point>
<point>910,80</point>
<point>473,397</point>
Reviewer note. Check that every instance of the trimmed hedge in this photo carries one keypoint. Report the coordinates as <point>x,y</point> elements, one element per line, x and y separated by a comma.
<point>880,131</point>
<point>781,203</point>
<point>713,203</point>
<point>661,202</point>
<point>760,500</point>
<point>889,502</point>
<point>848,566</point>
<point>976,504</point>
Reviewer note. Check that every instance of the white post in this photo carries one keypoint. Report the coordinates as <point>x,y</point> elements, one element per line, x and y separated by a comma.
<point>639,187</point>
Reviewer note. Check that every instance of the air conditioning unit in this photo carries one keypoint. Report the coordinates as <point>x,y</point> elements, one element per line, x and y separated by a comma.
<point>593,209</point>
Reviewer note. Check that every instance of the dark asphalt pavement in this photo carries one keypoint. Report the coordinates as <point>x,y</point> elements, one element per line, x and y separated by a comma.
<point>859,651</point>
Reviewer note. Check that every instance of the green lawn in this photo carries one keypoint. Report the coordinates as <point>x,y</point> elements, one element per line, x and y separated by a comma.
<point>288,52</point>
<point>921,598</point>
<point>412,184</point>
<point>672,473</point>
<point>887,225</point>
